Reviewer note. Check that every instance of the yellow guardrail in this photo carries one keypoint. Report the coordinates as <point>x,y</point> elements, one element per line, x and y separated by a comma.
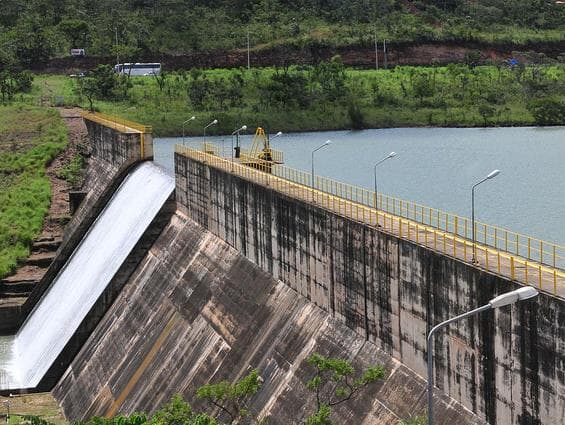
<point>533,249</point>
<point>355,203</point>
<point>210,148</point>
<point>117,123</point>
<point>121,125</point>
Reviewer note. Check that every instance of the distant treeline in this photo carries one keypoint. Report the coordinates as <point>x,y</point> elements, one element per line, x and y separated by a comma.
<point>32,31</point>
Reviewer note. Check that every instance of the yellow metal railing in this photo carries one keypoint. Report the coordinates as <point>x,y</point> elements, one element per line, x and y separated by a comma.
<point>210,148</point>
<point>533,249</point>
<point>355,203</point>
<point>117,123</point>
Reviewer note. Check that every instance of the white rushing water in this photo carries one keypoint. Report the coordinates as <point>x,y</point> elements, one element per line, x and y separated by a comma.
<point>25,358</point>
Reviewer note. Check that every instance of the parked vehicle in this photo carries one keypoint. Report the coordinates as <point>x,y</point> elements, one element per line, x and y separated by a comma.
<point>138,69</point>
<point>78,53</point>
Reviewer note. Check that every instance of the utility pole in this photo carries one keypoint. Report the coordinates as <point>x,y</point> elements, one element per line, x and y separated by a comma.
<point>248,52</point>
<point>117,48</point>
<point>384,52</point>
<point>376,52</point>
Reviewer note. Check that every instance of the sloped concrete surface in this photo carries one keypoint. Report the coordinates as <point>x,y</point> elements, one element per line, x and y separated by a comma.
<point>506,365</point>
<point>197,311</point>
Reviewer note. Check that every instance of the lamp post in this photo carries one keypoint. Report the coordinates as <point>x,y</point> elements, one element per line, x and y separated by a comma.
<point>389,156</point>
<point>7,406</point>
<point>212,123</point>
<point>184,122</point>
<point>491,175</point>
<point>248,52</point>
<point>497,302</point>
<point>242,128</point>
<point>326,143</point>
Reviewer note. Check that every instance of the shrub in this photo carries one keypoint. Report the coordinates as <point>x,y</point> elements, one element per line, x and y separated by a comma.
<point>548,111</point>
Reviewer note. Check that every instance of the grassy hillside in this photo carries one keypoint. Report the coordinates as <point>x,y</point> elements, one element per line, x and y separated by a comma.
<point>30,137</point>
<point>35,30</point>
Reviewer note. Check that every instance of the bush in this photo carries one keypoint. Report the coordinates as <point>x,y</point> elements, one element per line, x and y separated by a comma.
<point>356,116</point>
<point>548,111</point>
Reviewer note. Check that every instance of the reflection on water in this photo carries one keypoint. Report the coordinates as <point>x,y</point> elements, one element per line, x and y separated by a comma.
<point>438,166</point>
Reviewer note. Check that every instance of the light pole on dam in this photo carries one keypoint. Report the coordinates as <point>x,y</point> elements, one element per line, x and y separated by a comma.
<point>497,302</point>
<point>389,156</point>
<point>491,175</point>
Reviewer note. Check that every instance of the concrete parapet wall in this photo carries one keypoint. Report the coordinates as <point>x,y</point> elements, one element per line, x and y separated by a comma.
<point>120,148</point>
<point>507,365</point>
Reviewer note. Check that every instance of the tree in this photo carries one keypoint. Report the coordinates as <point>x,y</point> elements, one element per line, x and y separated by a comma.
<point>287,87</point>
<point>33,43</point>
<point>178,412</point>
<point>232,399</point>
<point>548,111</point>
<point>473,58</point>
<point>12,82</point>
<point>423,85</point>
<point>334,383</point>
<point>331,78</point>
<point>76,31</point>
<point>87,87</point>
<point>486,112</point>
<point>161,79</point>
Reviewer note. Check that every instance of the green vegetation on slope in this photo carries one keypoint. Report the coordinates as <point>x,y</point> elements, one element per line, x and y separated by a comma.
<point>30,137</point>
<point>330,96</point>
<point>35,30</point>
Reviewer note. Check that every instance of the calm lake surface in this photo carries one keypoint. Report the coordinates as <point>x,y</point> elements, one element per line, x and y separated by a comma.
<point>437,167</point>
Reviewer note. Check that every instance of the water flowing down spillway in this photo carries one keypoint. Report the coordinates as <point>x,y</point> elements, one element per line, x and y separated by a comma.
<point>26,357</point>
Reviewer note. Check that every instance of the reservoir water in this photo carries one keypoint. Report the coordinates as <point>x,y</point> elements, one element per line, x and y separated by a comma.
<point>437,167</point>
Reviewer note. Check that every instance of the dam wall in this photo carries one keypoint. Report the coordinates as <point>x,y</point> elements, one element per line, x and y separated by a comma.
<point>197,311</point>
<point>506,365</point>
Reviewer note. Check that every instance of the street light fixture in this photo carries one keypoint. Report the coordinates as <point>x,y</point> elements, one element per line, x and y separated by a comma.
<point>389,156</point>
<point>212,123</point>
<point>326,143</point>
<point>184,122</point>
<point>497,302</point>
<point>242,128</point>
<point>491,175</point>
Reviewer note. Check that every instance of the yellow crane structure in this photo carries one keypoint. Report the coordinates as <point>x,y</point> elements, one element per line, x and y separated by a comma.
<point>261,154</point>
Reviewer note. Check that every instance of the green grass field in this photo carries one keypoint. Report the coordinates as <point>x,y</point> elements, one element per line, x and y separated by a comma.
<point>455,95</point>
<point>30,137</point>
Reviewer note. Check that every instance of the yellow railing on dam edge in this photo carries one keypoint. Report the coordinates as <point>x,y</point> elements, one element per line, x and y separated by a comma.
<point>122,125</point>
<point>117,123</point>
<point>443,232</point>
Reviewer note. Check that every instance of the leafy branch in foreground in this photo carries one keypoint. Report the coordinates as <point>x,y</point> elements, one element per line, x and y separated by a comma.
<point>232,399</point>
<point>334,383</point>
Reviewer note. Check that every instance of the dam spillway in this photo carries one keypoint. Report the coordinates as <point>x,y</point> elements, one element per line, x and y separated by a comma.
<point>26,357</point>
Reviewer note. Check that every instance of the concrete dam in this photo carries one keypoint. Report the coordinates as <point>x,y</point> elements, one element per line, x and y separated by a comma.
<point>234,274</point>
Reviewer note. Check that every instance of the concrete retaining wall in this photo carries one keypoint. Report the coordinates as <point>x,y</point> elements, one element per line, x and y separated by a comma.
<point>508,366</point>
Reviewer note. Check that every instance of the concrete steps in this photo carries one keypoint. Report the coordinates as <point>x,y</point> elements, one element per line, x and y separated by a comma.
<point>16,288</point>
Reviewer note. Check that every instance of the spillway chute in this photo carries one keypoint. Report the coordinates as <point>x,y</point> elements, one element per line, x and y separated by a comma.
<point>26,357</point>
